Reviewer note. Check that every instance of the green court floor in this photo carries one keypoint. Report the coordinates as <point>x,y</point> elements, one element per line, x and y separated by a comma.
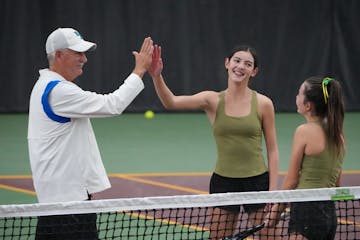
<point>170,142</point>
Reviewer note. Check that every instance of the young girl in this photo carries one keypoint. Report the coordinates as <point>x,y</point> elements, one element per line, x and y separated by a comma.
<point>239,117</point>
<point>316,159</point>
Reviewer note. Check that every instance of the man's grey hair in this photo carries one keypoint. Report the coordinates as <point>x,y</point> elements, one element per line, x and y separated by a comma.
<point>51,58</point>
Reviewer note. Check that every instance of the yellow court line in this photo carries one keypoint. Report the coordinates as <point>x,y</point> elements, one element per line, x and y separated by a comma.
<point>351,172</point>
<point>166,221</point>
<point>15,176</point>
<point>347,222</point>
<point>16,189</point>
<point>160,184</point>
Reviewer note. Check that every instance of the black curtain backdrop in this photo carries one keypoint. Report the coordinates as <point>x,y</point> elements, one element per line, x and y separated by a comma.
<point>294,40</point>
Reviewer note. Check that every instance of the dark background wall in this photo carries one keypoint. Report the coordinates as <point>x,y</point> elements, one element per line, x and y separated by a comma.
<point>294,40</point>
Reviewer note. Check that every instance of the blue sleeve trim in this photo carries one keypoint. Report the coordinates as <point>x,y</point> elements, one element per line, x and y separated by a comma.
<point>46,106</point>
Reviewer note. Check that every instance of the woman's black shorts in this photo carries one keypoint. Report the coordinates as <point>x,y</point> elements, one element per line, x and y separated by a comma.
<point>313,220</point>
<point>220,184</point>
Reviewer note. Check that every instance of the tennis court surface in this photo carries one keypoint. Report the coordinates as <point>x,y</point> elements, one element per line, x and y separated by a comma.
<point>175,160</point>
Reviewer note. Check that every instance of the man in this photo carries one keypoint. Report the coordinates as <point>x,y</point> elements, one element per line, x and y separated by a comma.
<point>64,156</point>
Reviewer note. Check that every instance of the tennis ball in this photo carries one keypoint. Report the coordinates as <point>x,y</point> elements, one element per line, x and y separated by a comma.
<point>149,114</point>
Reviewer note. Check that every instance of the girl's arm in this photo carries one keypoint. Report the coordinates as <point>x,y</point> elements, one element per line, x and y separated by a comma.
<point>298,149</point>
<point>268,124</point>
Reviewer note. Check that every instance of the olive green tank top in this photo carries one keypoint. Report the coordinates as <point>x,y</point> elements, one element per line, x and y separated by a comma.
<point>239,142</point>
<point>322,170</point>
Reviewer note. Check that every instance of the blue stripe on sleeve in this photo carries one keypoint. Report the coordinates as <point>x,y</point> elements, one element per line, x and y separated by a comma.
<point>46,106</point>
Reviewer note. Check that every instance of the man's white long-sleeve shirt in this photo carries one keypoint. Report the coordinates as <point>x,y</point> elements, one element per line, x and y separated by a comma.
<point>64,157</point>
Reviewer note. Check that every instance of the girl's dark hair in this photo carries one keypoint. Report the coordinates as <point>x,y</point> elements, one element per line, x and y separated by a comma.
<point>329,108</point>
<point>244,48</point>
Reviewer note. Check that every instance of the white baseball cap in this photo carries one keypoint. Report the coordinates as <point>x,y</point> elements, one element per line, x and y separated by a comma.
<point>63,38</point>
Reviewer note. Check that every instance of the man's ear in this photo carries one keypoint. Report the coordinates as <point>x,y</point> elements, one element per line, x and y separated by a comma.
<point>58,54</point>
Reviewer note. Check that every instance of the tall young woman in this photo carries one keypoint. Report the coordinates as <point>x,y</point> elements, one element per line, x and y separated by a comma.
<point>240,117</point>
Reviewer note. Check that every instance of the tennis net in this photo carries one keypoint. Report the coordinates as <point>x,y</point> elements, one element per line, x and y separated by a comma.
<point>188,216</point>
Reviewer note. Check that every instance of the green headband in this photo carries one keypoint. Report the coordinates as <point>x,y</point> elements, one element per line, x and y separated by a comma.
<point>324,84</point>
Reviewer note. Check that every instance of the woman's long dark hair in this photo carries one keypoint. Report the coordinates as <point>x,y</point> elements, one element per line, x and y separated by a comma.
<point>329,106</point>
